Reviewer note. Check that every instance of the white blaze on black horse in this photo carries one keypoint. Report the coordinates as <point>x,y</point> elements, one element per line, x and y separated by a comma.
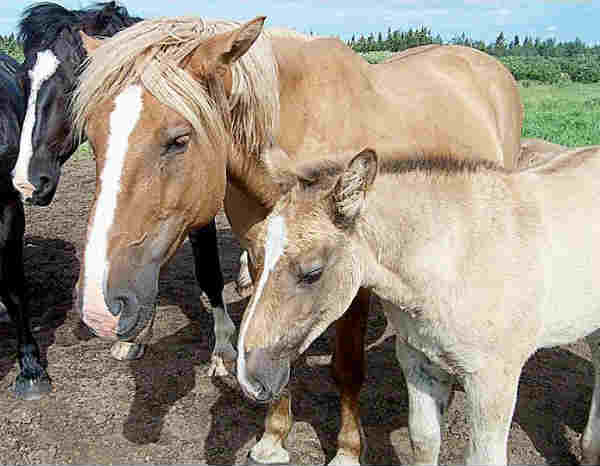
<point>53,56</point>
<point>32,381</point>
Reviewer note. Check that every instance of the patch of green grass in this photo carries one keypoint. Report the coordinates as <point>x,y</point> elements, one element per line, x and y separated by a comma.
<point>563,114</point>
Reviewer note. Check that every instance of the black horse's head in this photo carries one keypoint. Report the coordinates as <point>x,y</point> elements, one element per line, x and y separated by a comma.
<point>54,54</point>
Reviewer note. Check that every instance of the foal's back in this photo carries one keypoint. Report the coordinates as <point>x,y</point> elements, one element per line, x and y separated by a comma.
<point>568,193</point>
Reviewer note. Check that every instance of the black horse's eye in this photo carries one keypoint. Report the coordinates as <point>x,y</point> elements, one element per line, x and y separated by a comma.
<point>312,276</point>
<point>178,144</point>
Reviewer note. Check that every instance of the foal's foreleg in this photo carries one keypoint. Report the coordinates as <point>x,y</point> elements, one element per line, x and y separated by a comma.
<point>348,367</point>
<point>590,441</point>
<point>491,394</point>
<point>429,395</point>
<point>210,279</point>
<point>244,280</point>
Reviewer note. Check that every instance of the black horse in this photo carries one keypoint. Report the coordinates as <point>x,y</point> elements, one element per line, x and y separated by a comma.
<point>33,380</point>
<point>54,54</point>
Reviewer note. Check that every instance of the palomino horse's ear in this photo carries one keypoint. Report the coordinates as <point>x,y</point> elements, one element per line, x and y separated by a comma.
<point>89,43</point>
<point>220,51</point>
<point>351,188</point>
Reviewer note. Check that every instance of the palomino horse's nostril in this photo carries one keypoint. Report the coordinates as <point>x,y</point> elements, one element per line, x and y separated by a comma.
<point>117,306</point>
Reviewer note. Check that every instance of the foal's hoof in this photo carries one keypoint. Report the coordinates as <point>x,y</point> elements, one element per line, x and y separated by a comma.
<point>252,462</point>
<point>124,351</point>
<point>32,389</point>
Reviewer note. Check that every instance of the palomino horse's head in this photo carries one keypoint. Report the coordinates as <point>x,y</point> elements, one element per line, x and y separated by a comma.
<point>53,54</point>
<point>156,104</point>
<point>310,271</point>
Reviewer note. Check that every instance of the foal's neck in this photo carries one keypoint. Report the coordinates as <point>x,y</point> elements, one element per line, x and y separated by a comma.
<point>414,224</point>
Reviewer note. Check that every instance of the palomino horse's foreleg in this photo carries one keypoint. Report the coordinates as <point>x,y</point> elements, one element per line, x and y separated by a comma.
<point>491,395</point>
<point>429,395</point>
<point>243,283</point>
<point>348,367</point>
<point>210,279</point>
<point>590,441</point>
<point>270,448</point>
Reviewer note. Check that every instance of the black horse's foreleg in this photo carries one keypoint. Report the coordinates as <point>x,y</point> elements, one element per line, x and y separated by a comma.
<point>32,381</point>
<point>210,279</point>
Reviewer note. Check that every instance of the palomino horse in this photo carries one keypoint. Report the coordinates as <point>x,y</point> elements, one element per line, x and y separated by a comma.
<point>432,237</point>
<point>53,57</point>
<point>32,381</point>
<point>178,109</point>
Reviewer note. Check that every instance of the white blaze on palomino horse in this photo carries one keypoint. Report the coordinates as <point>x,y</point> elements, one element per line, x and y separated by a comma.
<point>219,102</point>
<point>477,268</point>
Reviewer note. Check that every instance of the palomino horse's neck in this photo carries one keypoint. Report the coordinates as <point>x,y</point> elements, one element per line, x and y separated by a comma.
<point>249,173</point>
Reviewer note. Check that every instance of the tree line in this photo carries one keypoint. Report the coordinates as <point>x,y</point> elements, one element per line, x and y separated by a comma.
<point>527,46</point>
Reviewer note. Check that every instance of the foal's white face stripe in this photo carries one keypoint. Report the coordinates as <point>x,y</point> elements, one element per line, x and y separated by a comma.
<point>274,246</point>
<point>45,66</point>
<point>124,117</point>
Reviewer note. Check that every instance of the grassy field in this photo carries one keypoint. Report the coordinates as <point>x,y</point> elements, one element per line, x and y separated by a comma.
<point>568,114</point>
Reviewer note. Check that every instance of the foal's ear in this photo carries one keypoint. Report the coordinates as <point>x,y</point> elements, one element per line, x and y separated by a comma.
<point>351,188</point>
<point>89,43</point>
<point>222,50</point>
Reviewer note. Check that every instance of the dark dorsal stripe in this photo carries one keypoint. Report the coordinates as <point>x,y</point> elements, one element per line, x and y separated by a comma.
<point>42,23</point>
<point>323,170</point>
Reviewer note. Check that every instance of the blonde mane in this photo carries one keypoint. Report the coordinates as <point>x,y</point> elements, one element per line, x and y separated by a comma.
<point>149,53</point>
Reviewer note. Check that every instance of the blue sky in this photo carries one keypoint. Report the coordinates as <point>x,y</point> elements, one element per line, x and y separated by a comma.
<point>481,19</point>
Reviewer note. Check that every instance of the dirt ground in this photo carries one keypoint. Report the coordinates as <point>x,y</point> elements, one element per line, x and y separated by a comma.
<point>161,409</point>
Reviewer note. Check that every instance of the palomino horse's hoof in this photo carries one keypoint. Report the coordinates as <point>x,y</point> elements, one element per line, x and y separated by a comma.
<point>252,462</point>
<point>220,367</point>
<point>124,351</point>
<point>244,289</point>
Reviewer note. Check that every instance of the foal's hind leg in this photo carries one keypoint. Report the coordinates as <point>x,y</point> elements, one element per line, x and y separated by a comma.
<point>590,441</point>
<point>210,279</point>
<point>33,381</point>
<point>429,395</point>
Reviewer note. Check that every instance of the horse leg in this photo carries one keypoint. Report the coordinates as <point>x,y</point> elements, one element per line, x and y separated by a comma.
<point>243,284</point>
<point>270,449</point>
<point>210,279</point>
<point>33,381</point>
<point>590,441</point>
<point>429,395</point>
<point>348,366</point>
<point>491,395</point>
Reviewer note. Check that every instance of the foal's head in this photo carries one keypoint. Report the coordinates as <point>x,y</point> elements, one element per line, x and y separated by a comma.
<point>310,271</point>
<point>155,102</point>
<point>53,53</point>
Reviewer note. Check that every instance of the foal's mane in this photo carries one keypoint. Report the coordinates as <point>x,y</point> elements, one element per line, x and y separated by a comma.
<point>42,23</point>
<point>150,52</point>
<point>321,172</point>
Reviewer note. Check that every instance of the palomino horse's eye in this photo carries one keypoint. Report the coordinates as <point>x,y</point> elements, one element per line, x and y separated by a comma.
<point>177,144</point>
<point>311,277</point>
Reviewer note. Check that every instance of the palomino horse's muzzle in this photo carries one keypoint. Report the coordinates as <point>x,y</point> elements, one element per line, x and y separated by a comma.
<point>266,375</point>
<point>133,316</point>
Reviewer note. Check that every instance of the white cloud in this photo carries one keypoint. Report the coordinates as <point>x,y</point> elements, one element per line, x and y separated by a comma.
<point>551,28</point>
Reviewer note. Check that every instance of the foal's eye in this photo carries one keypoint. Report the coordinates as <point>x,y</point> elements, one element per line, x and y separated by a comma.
<point>178,144</point>
<point>312,276</point>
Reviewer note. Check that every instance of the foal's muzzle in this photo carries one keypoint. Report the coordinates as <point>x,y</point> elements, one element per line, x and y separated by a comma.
<point>266,374</point>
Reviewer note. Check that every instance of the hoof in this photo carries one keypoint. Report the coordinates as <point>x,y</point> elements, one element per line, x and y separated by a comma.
<point>124,351</point>
<point>252,462</point>
<point>220,367</point>
<point>244,289</point>
<point>32,389</point>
